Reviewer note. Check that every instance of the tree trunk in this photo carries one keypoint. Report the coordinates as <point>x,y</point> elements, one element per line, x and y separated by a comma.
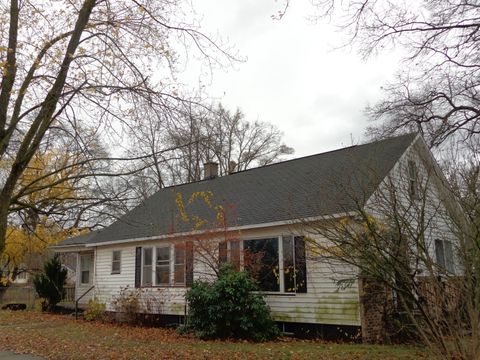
<point>42,122</point>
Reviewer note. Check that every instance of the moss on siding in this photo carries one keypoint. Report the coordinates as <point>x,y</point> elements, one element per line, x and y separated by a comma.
<point>178,309</point>
<point>324,310</point>
<point>281,316</point>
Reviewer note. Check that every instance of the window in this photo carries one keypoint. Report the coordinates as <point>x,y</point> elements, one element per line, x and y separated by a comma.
<point>234,254</point>
<point>444,254</point>
<point>222,252</point>
<point>85,269</point>
<point>179,266</point>
<point>116,261</point>
<point>262,259</point>
<point>162,266</point>
<point>288,264</point>
<point>412,179</point>
<point>147,267</point>
<point>229,251</point>
<point>294,264</point>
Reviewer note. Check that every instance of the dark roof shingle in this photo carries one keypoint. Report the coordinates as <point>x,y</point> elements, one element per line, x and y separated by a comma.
<point>316,185</point>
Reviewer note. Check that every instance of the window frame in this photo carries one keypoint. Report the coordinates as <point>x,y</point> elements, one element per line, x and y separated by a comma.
<point>281,270</point>
<point>167,265</point>
<point>179,248</point>
<point>447,263</point>
<point>172,265</point>
<point>116,261</point>
<point>82,271</point>
<point>413,179</point>
<point>150,284</point>
<point>277,267</point>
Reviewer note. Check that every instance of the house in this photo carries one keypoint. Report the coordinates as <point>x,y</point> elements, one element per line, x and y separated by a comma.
<point>152,247</point>
<point>25,276</point>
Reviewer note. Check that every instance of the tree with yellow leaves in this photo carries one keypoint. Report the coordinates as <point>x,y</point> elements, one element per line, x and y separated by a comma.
<point>26,249</point>
<point>70,69</point>
<point>45,192</point>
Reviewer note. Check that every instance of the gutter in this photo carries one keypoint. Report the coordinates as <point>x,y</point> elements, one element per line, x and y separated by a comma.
<point>218,230</point>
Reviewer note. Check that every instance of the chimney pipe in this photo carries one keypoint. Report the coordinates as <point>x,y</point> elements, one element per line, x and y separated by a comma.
<point>210,170</point>
<point>232,166</point>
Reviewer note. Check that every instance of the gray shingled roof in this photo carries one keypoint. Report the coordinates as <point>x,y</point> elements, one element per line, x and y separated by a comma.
<point>79,240</point>
<point>323,184</point>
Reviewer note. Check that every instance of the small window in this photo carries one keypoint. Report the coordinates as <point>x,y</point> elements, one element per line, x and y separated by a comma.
<point>412,179</point>
<point>147,267</point>
<point>179,266</point>
<point>444,254</point>
<point>85,269</point>
<point>116,261</point>
<point>162,266</point>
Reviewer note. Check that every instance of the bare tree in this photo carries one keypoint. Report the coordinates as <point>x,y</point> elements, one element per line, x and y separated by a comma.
<point>436,91</point>
<point>412,251</point>
<point>74,67</point>
<point>198,134</point>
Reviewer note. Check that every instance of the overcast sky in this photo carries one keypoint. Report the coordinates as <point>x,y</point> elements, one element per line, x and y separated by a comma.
<point>293,77</point>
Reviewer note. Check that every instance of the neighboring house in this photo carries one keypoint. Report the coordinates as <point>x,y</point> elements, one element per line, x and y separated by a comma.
<point>152,246</point>
<point>22,278</point>
<point>25,275</point>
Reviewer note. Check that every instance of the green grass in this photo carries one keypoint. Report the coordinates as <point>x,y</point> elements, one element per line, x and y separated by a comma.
<point>61,337</point>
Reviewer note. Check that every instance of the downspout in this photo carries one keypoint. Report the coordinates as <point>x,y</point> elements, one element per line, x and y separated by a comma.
<point>95,271</point>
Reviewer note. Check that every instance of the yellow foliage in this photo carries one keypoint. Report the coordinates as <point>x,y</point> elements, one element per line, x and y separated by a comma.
<point>42,184</point>
<point>206,196</point>
<point>181,207</point>
<point>198,222</point>
<point>20,242</point>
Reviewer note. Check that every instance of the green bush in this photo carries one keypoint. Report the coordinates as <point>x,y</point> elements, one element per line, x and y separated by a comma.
<point>49,284</point>
<point>95,311</point>
<point>229,308</point>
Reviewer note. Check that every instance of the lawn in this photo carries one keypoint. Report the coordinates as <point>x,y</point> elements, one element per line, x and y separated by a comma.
<point>61,337</point>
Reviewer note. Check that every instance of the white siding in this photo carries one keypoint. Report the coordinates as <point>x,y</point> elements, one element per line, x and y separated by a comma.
<point>432,204</point>
<point>80,288</point>
<point>324,303</point>
<point>165,300</point>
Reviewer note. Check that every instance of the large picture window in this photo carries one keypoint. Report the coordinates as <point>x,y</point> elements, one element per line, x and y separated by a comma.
<point>262,258</point>
<point>262,262</point>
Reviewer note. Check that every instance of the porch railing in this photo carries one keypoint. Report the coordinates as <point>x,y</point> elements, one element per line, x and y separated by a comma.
<point>80,298</point>
<point>69,296</point>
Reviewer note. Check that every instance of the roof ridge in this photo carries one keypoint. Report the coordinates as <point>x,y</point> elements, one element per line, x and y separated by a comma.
<point>413,134</point>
